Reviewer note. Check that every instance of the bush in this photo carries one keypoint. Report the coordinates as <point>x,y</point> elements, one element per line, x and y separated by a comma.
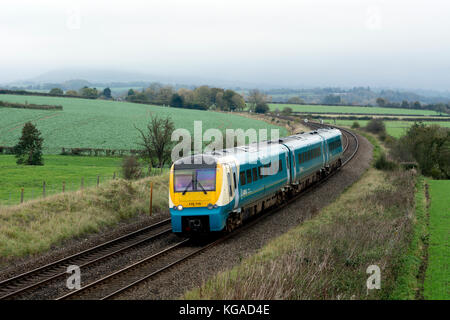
<point>287,111</point>
<point>131,168</point>
<point>355,125</point>
<point>382,163</point>
<point>261,107</point>
<point>376,126</point>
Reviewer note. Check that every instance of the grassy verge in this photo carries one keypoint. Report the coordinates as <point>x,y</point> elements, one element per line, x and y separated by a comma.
<point>412,264</point>
<point>35,226</point>
<point>437,277</point>
<point>327,257</point>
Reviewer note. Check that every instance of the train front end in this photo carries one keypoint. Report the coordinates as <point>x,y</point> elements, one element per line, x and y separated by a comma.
<point>195,190</point>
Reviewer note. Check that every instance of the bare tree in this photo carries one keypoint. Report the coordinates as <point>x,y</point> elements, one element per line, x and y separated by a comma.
<point>156,140</point>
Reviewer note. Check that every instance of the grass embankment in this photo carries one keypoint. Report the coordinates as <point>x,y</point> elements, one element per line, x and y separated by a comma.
<point>413,262</point>
<point>437,277</point>
<point>327,257</point>
<point>55,171</point>
<point>35,226</point>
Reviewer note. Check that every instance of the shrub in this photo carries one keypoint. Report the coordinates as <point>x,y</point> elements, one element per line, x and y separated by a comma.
<point>131,168</point>
<point>376,126</point>
<point>261,107</point>
<point>382,163</point>
<point>355,125</point>
<point>287,111</point>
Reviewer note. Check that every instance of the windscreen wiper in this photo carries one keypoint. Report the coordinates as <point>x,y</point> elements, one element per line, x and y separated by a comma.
<point>201,187</point>
<point>187,187</point>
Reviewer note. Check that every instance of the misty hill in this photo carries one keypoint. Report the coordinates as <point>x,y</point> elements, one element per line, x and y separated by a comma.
<point>76,78</point>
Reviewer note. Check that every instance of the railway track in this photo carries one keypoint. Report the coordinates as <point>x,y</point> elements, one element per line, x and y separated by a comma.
<point>114,284</point>
<point>24,283</point>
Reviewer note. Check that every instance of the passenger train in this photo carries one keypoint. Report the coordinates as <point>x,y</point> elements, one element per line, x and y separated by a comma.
<point>218,191</point>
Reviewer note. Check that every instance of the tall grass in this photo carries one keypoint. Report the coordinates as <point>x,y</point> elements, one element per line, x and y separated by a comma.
<point>327,257</point>
<point>409,284</point>
<point>37,225</point>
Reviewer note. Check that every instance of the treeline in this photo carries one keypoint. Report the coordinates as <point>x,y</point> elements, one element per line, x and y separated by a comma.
<point>202,98</point>
<point>426,145</point>
<point>429,146</point>
<point>416,105</point>
<point>29,106</point>
<point>54,93</point>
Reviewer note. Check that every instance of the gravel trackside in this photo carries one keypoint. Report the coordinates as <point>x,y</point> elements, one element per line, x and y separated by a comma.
<point>173,283</point>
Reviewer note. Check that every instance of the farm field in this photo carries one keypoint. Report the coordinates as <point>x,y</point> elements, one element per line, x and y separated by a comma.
<point>393,128</point>
<point>56,169</point>
<point>104,124</point>
<point>437,277</point>
<point>351,109</point>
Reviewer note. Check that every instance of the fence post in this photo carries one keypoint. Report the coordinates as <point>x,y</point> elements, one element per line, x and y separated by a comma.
<point>64,186</point>
<point>114,175</point>
<point>98,180</point>
<point>43,189</point>
<point>151,197</point>
<point>82,183</point>
<point>21,195</point>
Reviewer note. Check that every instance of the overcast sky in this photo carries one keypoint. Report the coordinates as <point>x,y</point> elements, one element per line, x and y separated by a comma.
<point>397,43</point>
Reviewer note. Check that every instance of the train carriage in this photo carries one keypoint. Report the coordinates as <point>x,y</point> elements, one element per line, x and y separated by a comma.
<point>218,191</point>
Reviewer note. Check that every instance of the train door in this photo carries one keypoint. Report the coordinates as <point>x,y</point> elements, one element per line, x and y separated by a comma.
<point>294,166</point>
<point>234,178</point>
<point>228,178</point>
<point>288,166</point>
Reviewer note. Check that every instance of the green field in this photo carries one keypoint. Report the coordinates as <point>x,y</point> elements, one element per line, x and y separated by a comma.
<point>437,277</point>
<point>351,109</point>
<point>393,128</point>
<point>56,170</point>
<point>103,124</point>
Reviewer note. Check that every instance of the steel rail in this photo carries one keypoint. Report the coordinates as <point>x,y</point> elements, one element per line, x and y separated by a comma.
<point>52,267</point>
<point>246,226</point>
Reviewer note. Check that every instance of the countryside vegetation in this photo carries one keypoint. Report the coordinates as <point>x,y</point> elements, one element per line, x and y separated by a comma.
<point>383,219</point>
<point>395,216</point>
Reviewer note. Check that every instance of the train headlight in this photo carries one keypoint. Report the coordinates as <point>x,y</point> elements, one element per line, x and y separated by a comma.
<point>215,206</point>
<point>174,208</point>
<point>210,206</point>
<point>180,207</point>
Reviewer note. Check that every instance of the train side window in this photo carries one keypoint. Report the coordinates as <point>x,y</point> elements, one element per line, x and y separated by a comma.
<point>242,177</point>
<point>299,158</point>
<point>234,180</point>
<point>249,176</point>
<point>261,175</point>
<point>280,166</point>
<point>255,174</point>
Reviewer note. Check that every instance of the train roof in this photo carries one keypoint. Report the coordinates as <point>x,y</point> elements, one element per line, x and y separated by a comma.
<point>256,151</point>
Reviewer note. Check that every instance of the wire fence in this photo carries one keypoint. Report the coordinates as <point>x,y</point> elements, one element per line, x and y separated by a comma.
<point>42,189</point>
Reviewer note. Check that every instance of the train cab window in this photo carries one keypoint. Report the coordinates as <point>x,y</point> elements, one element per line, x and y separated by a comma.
<point>234,180</point>
<point>249,176</point>
<point>299,158</point>
<point>242,178</point>
<point>255,174</point>
<point>280,166</point>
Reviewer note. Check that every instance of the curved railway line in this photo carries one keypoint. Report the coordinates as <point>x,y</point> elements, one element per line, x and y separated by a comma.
<point>128,277</point>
